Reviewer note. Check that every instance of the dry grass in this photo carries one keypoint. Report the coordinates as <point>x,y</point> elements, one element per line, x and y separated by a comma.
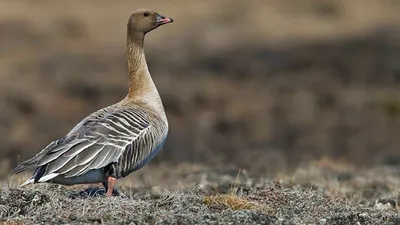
<point>232,201</point>
<point>235,202</point>
<point>312,195</point>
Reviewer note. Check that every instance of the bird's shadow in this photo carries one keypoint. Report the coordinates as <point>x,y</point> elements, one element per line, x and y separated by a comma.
<point>91,192</point>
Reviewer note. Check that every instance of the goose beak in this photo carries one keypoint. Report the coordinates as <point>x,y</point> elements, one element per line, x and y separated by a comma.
<point>163,20</point>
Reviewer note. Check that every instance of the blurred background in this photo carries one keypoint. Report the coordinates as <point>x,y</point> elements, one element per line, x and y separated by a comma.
<point>261,85</point>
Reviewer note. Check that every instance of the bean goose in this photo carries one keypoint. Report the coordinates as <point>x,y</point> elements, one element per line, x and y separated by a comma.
<point>116,140</point>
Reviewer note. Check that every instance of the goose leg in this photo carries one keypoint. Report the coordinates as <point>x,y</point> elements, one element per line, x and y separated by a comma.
<point>105,184</point>
<point>110,186</point>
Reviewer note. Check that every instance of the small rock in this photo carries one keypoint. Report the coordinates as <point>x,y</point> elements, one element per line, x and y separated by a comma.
<point>155,193</point>
<point>376,215</point>
<point>96,220</point>
<point>73,217</point>
<point>385,204</point>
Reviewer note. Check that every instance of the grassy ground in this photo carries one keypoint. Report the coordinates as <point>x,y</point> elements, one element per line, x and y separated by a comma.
<point>322,192</point>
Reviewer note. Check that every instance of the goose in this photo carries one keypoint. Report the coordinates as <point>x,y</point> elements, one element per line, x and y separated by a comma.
<point>116,140</point>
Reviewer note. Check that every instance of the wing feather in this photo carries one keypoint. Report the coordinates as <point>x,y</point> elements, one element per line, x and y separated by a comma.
<point>76,171</point>
<point>95,142</point>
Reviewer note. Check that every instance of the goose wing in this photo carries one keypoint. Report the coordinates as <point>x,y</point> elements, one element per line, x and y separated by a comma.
<point>95,142</point>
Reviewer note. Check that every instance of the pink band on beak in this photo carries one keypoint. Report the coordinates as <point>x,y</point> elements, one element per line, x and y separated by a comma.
<point>165,20</point>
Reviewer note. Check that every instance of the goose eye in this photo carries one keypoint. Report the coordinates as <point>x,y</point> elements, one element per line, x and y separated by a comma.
<point>146,14</point>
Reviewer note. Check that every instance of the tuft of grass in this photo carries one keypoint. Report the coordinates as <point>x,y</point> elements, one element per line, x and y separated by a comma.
<point>234,202</point>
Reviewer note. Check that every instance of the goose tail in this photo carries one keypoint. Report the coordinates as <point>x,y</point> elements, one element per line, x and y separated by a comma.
<point>27,165</point>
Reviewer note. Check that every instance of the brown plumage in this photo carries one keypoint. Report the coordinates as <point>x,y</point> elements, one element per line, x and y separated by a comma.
<point>116,140</point>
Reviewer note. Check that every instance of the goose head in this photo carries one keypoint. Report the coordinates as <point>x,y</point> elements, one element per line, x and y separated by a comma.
<point>146,20</point>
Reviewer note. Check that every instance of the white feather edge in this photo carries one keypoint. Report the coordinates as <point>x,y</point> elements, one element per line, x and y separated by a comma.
<point>42,179</point>
<point>29,181</point>
<point>48,177</point>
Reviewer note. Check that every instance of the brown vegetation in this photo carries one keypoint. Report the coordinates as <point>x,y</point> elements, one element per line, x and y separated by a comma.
<point>314,194</point>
